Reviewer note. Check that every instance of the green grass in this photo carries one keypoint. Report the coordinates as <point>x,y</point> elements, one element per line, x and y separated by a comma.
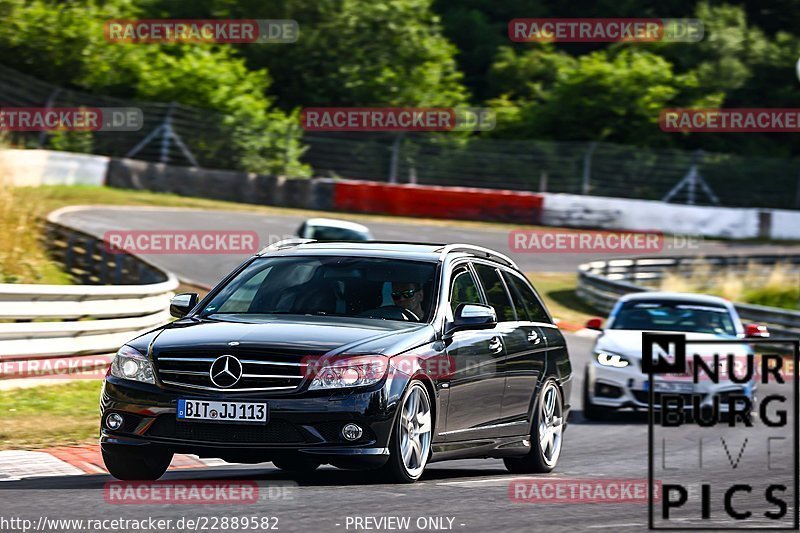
<point>557,289</point>
<point>50,415</point>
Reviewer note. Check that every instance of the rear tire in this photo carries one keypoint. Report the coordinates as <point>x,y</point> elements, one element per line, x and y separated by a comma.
<point>410,445</point>
<point>136,463</point>
<point>546,434</point>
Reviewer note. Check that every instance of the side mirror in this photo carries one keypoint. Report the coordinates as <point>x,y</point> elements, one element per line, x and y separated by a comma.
<point>473,316</point>
<point>181,304</point>
<point>756,330</point>
<point>595,323</point>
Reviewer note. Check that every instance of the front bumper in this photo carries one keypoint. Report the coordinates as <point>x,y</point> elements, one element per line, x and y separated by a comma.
<point>619,388</point>
<point>306,422</point>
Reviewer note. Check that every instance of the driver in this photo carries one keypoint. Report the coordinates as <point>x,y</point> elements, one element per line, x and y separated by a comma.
<point>409,295</point>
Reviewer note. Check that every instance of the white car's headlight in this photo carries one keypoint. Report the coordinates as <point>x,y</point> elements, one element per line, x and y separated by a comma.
<point>350,372</point>
<point>129,363</point>
<point>613,360</point>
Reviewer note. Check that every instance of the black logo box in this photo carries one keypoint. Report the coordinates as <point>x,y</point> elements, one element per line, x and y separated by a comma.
<point>650,367</point>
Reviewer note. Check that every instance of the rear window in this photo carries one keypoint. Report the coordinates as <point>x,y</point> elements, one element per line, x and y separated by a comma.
<point>526,302</point>
<point>496,293</point>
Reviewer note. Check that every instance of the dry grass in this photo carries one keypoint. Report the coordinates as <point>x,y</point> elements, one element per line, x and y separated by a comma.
<point>23,258</point>
<point>776,285</point>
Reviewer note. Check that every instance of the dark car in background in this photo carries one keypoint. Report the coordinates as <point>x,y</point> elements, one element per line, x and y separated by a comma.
<point>367,356</point>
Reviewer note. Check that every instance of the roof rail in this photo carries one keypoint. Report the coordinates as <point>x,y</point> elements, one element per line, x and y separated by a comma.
<point>479,251</point>
<point>285,243</point>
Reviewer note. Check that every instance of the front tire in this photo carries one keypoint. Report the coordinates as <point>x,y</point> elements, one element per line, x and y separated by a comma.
<point>410,446</point>
<point>546,434</point>
<point>136,463</point>
<point>591,411</point>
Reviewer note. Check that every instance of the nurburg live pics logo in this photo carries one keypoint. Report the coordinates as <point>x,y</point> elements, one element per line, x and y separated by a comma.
<point>736,498</point>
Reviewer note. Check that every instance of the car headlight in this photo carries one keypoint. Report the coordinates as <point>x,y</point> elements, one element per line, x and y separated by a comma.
<point>350,372</point>
<point>129,363</point>
<point>613,360</point>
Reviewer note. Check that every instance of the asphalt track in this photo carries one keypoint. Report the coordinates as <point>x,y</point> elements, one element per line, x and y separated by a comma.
<point>473,493</point>
<point>207,269</point>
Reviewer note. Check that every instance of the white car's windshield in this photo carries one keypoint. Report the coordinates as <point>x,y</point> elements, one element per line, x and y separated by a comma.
<point>665,315</point>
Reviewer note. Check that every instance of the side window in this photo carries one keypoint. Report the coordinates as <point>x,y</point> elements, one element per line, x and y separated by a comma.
<point>464,289</point>
<point>496,292</point>
<point>524,298</point>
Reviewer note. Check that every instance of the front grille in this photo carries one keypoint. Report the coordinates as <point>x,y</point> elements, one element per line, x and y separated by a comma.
<point>642,396</point>
<point>273,432</point>
<point>261,371</point>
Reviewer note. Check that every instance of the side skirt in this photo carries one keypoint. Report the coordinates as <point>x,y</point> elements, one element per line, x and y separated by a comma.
<point>484,447</point>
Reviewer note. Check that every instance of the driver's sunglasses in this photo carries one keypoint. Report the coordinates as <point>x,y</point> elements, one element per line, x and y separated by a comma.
<point>405,295</point>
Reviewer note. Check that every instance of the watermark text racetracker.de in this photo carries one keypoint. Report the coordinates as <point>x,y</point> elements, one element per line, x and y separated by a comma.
<point>185,241</point>
<point>742,120</point>
<point>71,119</point>
<point>193,523</point>
<point>578,241</point>
<point>85,367</point>
<point>397,119</point>
<point>604,30</point>
<point>241,31</point>
<point>584,490</point>
<point>198,492</point>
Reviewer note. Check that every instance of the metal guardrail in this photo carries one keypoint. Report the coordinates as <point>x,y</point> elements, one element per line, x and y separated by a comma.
<point>601,283</point>
<point>56,321</point>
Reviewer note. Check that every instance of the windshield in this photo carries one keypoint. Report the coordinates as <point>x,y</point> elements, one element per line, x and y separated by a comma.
<point>665,315</point>
<point>388,289</point>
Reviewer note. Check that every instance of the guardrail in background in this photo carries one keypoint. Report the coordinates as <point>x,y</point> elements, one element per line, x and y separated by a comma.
<point>49,322</point>
<point>601,283</point>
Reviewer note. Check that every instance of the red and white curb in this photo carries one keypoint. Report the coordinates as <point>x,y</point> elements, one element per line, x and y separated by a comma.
<point>62,461</point>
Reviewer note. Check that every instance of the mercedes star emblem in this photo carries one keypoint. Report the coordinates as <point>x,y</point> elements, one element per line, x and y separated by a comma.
<point>225,371</point>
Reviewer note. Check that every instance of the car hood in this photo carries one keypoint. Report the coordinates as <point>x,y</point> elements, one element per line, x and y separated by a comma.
<point>301,336</point>
<point>628,343</point>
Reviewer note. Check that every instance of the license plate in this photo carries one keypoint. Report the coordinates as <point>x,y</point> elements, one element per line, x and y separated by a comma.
<point>222,411</point>
<point>671,386</point>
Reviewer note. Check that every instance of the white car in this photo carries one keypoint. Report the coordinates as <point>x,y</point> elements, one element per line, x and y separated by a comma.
<point>331,229</point>
<point>614,378</point>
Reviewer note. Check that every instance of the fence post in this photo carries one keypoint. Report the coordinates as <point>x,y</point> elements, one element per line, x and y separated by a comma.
<point>165,137</point>
<point>797,193</point>
<point>690,182</point>
<point>289,131</point>
<point>395,160</point>
<point>543,181</point>
<point>587,168</point>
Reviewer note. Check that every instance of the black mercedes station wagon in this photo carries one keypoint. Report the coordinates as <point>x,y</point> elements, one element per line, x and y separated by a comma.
<point>376,355</point>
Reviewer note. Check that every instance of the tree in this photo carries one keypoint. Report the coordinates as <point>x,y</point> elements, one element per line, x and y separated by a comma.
<point>614,96</point>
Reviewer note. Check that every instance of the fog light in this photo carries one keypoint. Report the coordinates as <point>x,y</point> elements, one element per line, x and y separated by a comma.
<point>352,432</point>
<point>114,421</point>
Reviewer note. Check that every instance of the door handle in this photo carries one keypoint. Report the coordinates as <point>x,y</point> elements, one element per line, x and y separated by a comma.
<point>495,345</point>
<point>534,337</point>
